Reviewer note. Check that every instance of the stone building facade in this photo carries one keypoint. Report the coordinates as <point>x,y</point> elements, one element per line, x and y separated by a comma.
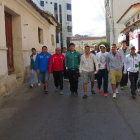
<point>22,26</point>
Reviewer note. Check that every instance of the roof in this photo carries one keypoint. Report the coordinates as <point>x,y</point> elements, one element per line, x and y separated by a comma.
<point>44,14</point>
<point>131,11</point>
<point>130,26</point>
<point>91,38</point>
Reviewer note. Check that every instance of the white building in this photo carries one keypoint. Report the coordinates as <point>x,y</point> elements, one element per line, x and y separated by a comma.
<point>131,20</point>
<point>80,43</point>
<point>61,10</point>
<point>114,10</point>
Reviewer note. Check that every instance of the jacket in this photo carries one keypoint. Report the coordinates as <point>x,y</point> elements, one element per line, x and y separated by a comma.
<point>32,62</point>
<point>124,54</point>
<point>72,60</point>
<point>114,62</point>
<point>42,62</point>
<point>93,52</point>
<point>102,59</point>
<point>87,64</point>
<point>57,63</point>
<point>132,64</point>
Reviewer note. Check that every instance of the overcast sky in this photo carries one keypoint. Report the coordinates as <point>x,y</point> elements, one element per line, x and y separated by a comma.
<point>88,17</point>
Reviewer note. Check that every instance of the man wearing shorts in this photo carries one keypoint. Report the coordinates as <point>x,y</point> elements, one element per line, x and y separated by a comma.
<point>114,65</point>
<point>87,69</point>
<point>42,67</point>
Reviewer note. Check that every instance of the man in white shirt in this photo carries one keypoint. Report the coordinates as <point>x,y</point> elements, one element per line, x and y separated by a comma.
<point>87,69</point>
<point>103,72</point>
<point>132,66</point>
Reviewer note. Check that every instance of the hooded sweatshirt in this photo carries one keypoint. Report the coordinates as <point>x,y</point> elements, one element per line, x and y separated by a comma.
<point>114,61</point>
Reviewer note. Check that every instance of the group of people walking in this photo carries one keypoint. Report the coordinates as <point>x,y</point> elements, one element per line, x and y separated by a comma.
<point>98,65</point>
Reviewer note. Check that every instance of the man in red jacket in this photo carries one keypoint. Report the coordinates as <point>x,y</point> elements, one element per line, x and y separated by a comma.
<point>56,65</point>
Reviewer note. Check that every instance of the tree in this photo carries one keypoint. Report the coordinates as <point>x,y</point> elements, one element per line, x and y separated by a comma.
<point>106,45</point>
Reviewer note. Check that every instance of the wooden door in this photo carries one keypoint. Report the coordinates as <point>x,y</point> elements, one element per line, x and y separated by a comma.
<point>9,42</point>
<point>139,42</point>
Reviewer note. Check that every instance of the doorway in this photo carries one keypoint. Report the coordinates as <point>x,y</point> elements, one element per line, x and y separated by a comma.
<point>9,42</point>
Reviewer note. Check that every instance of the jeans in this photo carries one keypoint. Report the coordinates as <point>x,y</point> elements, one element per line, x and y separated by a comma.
<point>133,80</point>
<point>33,77</point>
<point>58,79</point>
<point>103,74</point>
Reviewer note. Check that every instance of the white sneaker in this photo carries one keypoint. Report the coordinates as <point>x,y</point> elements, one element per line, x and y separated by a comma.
<point>39,84</point>
<point>61,92</point>
<point>117,91</point>
<point>114,95</point>
<point>138,90</point>
<point>31,86</point>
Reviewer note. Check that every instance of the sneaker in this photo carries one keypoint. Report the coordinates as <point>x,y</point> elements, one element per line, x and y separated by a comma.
<point>39,84</point>
<point>125,87</point>
<point>67,80</point>
<point>122,87</point>
<point>134,96</point>
<point>56,89</point>
<point>75,93</point>
<point>114,95</point>
<point>61,92</point>
<point>93,92</point>
<point>99,90</point>
<point>45,91</point>
<point>117,91</point>
<point>31,86</point>
<point>105,94</point>
<point>85,96</point>
<point>138,90</point>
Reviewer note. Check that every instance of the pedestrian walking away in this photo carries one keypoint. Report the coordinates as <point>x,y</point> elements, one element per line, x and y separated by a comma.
<point>87,69</point>
<point>103,72</point>
<point>32,67</point>
<point>132,66</point>
<point>124,50</point>
<point>114,66</point>
<point>72,65</point>
<point>42,67</point>
<point>56,66</point>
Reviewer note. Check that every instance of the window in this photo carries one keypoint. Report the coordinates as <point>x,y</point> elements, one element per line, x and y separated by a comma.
<point>60,13</point>
<point>57,37</point>
<point>52,40</point>
<point>69,29</point>
<point>42,3</point>
<point>40,35</point>
<point>69,18</point>
<point>55,6</point>
<point>68,6</point>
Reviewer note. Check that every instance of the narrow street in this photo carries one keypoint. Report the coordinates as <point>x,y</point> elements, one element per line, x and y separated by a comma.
<point>28,114</point>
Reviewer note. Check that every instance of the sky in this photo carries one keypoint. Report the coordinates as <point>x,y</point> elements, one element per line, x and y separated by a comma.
<point>88,17</point>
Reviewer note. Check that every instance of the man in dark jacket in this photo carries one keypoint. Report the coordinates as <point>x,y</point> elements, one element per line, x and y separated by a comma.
<point>32,67</point>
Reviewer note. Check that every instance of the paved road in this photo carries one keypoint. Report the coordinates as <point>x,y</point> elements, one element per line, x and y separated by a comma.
<point>28,114</point>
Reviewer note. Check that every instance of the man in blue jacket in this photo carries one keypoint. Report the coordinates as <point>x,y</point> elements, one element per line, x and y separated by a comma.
<point>42,67</point>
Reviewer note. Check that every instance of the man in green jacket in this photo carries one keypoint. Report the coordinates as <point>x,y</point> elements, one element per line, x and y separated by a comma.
<point>72,65</point>
<point>32,67</point>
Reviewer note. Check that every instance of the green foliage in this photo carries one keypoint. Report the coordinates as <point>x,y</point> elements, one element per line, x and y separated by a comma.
<point>106,44</point>
<point>59,28</point>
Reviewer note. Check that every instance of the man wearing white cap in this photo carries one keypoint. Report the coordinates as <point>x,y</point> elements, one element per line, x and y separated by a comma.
<point>103,72</point>
<point>132,66</point>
